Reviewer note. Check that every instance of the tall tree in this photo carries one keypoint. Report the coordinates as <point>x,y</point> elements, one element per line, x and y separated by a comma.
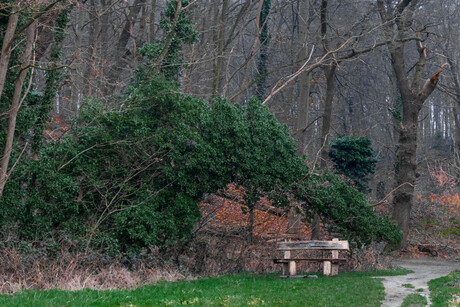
<point>397,22</point>
<point>264,37</point>
<point>304,79</point>
<point>15,104</point>
<point>329,71</point>
<point>30,13</point>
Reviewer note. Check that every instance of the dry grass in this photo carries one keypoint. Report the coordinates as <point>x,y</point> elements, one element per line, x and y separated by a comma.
<point>68,271</point>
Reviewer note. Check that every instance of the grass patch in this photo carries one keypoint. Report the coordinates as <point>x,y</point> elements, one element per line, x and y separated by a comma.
<point>414,300</point>
<point>445,291</point>
<point>410,286</point>
<point>419,290</point>
<point>348,289</point>
<point>395,272</point>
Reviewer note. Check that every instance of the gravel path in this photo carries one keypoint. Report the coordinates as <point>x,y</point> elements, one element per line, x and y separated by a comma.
<point>424,271</point>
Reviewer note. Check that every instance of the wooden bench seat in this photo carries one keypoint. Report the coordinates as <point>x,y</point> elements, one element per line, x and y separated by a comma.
<point>282,260</point>
<point>330,264</point>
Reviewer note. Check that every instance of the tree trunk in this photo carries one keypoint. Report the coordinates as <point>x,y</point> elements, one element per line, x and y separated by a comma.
<point>92,67</point>
<point>264,38</point>
<point>329,72</point>
<point>302,114</point>
<point>455,109</point>
<point>325,130</point>
<point>304,80</point>
<point>405,171</point>
<point>327,114</point>
<point>412,98</point>
<point>456,131</point>
<point>15,104</point>
<point>6,49</point>
<point>294,224</point>
<point>251,226</point>
<point>220,49</point>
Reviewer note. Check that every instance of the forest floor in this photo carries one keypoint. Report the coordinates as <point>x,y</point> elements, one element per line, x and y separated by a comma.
<point>425,269</point>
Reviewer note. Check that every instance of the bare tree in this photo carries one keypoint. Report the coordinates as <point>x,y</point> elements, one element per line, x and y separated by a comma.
<point>397,22</point>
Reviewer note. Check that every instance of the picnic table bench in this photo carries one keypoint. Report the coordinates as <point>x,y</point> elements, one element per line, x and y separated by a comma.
<point>330,263</point>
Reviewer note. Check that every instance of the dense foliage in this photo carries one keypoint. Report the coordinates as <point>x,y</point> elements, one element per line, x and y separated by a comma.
<point>165,55</point>
<point>345,210</point>
<point>354,158</point>
<point>132,177</point>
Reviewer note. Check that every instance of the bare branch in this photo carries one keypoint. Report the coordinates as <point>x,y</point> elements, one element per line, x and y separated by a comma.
<point>292,77</point>
<point>17,160</point>
<point>420,64</point>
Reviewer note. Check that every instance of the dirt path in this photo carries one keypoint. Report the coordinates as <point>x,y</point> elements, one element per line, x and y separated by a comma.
<point>424,271</point>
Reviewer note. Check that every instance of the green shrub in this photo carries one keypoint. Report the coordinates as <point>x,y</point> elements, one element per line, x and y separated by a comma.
<point>354,158</point>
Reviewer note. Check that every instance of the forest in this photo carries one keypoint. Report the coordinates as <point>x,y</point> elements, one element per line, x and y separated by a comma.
<point>163,138</point>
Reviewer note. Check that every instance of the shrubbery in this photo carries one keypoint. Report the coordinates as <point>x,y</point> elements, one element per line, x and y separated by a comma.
<point>128,179</point>
<point>132,177</point>
<point>346,210</point>
<point>354,158</point>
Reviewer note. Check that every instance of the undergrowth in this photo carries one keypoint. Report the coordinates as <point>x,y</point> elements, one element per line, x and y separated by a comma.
<point>206,255</point>
<point>74,271</point>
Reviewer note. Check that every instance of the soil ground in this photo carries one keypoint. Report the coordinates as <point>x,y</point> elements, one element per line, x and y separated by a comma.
<point>424,271</point>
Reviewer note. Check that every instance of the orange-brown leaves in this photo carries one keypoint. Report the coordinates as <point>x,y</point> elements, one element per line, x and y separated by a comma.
<point>230,214</point>
<point>442,178</point>
<point>57,128</point>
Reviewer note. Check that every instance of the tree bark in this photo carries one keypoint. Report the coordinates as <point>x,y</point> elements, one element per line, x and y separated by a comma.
<point>220,49</point>
<point>327,114</point>
<point>92,67</point>
<point>302,114</point>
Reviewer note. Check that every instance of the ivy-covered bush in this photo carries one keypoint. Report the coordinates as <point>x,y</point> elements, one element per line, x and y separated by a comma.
<point>128,179</point>
<point>345,210</point>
